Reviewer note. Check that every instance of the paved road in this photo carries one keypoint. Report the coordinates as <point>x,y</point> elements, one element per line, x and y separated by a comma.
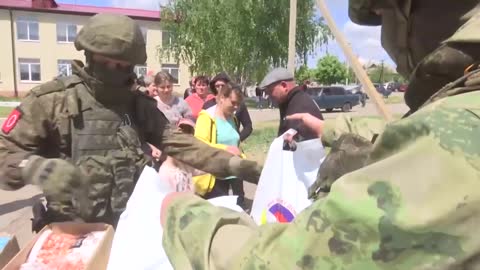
<point>15,206</point>
<point>369,110</point>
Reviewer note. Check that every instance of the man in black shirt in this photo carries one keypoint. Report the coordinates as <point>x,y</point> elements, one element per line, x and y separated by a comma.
<point>280,85</point>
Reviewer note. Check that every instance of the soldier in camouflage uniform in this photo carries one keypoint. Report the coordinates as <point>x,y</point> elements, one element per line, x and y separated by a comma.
<point>80,137</point>
<point>410,200</point>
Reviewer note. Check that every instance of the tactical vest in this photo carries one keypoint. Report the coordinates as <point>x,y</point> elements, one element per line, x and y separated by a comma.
<point>106,147</point>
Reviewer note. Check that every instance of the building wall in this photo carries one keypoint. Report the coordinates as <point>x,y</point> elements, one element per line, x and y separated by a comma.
<point>48,51</point>
<point>6,63</point>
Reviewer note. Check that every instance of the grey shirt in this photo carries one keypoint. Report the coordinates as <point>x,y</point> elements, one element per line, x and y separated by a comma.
<point>174,110</point>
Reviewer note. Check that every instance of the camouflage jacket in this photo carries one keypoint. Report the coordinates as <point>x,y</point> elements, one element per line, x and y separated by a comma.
<point>38,127</point>
<point>412,207</point>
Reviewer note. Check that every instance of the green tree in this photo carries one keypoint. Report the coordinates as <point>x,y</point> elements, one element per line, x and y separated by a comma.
<point>381,73</point>
<point>330,70</point>
<point>312,31</point>
<point>303,73</point>
<point>351,76</point>
<point>245,38</point>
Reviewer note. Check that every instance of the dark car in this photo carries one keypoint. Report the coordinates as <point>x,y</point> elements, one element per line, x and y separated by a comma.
<point>380,89</point>
<point>357,90</point>
<point>334,97</point>
<point>393,86</point>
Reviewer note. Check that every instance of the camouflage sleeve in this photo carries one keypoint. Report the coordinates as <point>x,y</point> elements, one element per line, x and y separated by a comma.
<point>189,150</point>
<point>184,226</point>
<point>199,155</point>
<point>414,207</point>
<point>23,134</point>
<point>363,127</point>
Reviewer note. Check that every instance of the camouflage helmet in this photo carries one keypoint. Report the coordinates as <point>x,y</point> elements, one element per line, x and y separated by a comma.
<point>115,36</point>
<point>362,11</point>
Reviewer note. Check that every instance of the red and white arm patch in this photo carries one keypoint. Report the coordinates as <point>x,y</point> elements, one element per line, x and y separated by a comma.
<point>12,120</point>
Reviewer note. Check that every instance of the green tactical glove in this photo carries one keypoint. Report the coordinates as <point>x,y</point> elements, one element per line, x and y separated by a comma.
<point>60,181</point>
<point>247,170</point>
<point>349,153</point>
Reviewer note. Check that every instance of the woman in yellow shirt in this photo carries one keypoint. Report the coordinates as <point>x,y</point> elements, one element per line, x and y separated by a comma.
<point>217,127</point>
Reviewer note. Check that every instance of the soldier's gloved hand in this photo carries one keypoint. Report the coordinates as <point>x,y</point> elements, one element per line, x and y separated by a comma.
<point>349,153</point>
<point>58,178</point>
<point>247,170</point>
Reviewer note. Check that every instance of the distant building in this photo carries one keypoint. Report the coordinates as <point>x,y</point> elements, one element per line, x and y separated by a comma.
<point>38,40</point>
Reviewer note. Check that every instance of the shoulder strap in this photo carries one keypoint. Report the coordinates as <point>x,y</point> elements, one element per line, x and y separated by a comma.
<point>58,84</point>
<point>48,87</point>
<point>470,82</point>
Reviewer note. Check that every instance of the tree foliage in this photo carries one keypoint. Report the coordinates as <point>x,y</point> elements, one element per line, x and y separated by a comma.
<point>380,73</point>
<point>330,70</point>
<point>303,73</point>
<point>245,38</point>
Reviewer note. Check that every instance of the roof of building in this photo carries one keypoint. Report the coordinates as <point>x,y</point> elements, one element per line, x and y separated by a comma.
<point>53,7</point>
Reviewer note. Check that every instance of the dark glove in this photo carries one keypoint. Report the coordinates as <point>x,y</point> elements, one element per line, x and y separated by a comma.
<point>56,177</point>
<point>61,183</point>
<point>247,170</point>
<point>39,219</point>
<point>349,153</point>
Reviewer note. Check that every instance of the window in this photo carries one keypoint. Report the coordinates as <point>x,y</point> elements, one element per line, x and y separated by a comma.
<point>327,91</point>
<point>166,38</point>
<point>140,70</point>
<point>314,91</point>
<point>144,33</point>
<point>66,32</point>
<point>173,70</point>
<point>338,91</point>
<point>27,29</point>
<point>64,67</point>
<point>29,69</point>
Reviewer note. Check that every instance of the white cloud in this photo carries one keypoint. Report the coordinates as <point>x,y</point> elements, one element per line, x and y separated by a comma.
<point>139,4</point>
<point>365,43</point>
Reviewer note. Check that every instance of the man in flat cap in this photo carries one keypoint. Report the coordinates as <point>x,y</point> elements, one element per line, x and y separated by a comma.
<point>280,85</point>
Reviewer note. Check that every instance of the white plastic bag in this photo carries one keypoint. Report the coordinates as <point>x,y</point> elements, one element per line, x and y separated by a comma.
<point>282,191</point>
<point>137,243</point>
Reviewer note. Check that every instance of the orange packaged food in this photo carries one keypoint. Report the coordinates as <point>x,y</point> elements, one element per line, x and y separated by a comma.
<point>62,251</point>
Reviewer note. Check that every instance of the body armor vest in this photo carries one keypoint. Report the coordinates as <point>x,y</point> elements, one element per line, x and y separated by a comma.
<point>106,147</point>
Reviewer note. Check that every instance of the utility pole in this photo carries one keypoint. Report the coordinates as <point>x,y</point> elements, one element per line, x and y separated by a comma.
<point>292,36</point>
<point>380,80</point>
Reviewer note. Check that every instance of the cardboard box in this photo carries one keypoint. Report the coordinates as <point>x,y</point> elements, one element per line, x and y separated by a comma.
<point>8,248</point>
<point>99,260</point>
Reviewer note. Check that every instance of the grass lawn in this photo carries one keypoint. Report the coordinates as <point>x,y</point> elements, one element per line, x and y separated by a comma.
<point>394,99</point>
<point>256,146</point>
<point>9,99</point>
<point>5,111</point>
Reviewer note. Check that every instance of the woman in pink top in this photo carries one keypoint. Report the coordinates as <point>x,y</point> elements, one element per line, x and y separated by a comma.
<point>201,95</point>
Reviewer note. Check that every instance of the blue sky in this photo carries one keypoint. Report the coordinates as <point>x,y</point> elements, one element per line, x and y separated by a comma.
<point>365,41</point>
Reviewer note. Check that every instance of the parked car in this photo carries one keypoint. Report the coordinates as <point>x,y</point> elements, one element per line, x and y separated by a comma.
<point>403,88</point>
<point>380,89</point>
<point>393,86</point>
<point>334,97</point>
<point>357,90</point>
